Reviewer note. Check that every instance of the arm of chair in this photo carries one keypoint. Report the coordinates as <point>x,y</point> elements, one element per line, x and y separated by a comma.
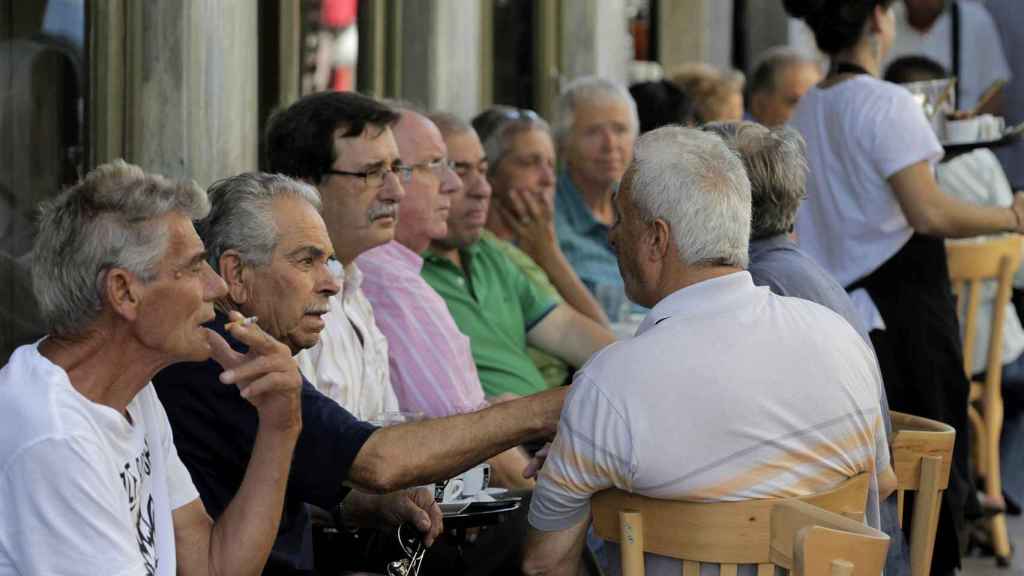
<point>796,525</point>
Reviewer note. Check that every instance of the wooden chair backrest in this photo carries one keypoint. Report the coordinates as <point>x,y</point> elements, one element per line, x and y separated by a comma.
<point>922,451</point>
<point>971,264</point>
<point>823,543</point>
<point>727,533</point>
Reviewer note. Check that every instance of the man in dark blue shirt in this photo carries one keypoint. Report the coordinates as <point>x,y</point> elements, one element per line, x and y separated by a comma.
<point>265,237</point>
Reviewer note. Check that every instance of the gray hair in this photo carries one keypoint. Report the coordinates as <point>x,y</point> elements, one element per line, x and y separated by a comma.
<point>241,215</point>
<point>108,220</point>
<point>765,73</point>
<point>589,90</point>
<point>496,127</point>
<point>777,168</point>
<point>692,181</point>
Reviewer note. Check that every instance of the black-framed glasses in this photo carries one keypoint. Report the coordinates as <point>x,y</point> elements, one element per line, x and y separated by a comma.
<point>374,177</point>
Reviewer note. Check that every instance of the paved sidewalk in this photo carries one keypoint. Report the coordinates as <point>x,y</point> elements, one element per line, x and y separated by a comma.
<point>975,566</point>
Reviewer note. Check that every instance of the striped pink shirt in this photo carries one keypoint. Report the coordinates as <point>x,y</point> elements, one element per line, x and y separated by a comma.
<point>432,368</point>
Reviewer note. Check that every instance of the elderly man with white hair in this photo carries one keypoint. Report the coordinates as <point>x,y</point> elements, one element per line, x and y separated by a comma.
<point>723,381</point>
<point>595,130</point>
<point>92,482</point>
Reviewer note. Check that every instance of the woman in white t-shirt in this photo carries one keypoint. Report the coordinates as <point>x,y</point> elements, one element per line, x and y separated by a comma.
<point>875,219</point>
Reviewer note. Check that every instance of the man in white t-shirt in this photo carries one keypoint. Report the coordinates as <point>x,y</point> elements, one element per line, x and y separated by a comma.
<point>671,413</point>
<point>90,481</point>
<point>925,28</point>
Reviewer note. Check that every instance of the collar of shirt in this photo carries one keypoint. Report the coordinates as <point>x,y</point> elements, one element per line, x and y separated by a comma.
<point>703,298</point>
<point>762,245</point>
<point>577,214</point>
<point>351,278</point>
<point>376,260</point>
<point>466,254</point>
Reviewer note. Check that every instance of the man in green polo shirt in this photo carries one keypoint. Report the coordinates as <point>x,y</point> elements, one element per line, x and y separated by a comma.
<point>496,305</point>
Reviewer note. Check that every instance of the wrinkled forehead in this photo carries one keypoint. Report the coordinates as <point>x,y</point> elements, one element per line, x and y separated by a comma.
<point>374,145</point>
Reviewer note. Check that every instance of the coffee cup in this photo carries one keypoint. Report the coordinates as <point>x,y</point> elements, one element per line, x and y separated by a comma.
<point>962,131</point>
<point>990,127</point>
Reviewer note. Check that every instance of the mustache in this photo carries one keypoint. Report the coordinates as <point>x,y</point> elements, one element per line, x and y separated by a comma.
<point>318,310</point>
<point>382,210</point>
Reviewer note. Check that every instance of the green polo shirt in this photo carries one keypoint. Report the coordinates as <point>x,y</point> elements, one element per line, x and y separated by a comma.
<point>495,305</point>
<point>552,368</point>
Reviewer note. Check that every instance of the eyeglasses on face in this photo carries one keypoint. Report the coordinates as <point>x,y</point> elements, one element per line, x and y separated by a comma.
<point>375,177</point>
<point>439,166</point>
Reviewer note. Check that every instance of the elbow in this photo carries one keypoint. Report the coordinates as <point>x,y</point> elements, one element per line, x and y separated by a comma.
<point>372,472</point>
<point>929,225</point>
<point>533,565</point>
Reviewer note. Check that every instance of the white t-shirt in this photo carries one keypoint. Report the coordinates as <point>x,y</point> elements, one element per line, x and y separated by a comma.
<point>859,133</point>
<point>82,490</point>
<point>982,61</point>
<point>727,392</point>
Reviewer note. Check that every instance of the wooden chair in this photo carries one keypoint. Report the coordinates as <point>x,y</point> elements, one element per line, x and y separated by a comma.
<point>971,264</point>
<point>922,451</point>
<point>792,533</point>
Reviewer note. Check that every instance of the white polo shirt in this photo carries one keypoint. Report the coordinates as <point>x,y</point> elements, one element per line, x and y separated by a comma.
<point>728,392</point>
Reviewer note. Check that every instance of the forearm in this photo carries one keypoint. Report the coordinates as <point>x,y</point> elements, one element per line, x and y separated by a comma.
<point>954,218</point>
<point>507,470</point>
<point>422,452</point>
<point>569,285</point>
<point>241,540</point>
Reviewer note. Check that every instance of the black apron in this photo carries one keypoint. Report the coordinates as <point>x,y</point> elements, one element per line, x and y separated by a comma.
<point>921,360</point>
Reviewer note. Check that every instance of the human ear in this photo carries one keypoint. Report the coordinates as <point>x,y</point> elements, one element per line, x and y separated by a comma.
<point>123,292</point>
<point>236,275</point>
<point>658,240</point>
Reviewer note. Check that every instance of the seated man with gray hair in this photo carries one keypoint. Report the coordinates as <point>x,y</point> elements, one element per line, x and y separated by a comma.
<point>596,126</point>
<point>92,482</point>
<point>268,241</point>
<point>777,169</point>
<point>723,381</point>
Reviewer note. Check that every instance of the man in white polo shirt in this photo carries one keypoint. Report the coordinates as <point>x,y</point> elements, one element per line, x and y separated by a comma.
<point>728,392</point>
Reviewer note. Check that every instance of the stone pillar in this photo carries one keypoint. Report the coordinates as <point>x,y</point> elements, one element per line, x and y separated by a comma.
<point>441,55</point>
<point>594,39</point>
<point>191,87</point>
<point>695,31</point>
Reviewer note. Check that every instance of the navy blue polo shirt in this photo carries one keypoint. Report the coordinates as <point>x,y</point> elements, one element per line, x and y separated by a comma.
<point>215,430</point>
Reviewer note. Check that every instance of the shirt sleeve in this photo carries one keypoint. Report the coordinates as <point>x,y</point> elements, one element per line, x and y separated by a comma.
<point>59,502</point>
<point>592,451</point>
<point>330,440</point>
<point>533,301</point>
<point>901,136</point>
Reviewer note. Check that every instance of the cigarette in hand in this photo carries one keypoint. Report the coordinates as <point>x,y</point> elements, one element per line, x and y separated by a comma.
<point>242,322</point>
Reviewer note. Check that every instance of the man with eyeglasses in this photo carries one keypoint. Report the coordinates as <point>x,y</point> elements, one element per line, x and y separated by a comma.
<point>431,365</point>
<point>342,143</point>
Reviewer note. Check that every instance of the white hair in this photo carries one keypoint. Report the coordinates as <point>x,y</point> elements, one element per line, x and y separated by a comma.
<point>695,183</point>
<point>590,90</point>
<point>241,215</point>
<point>108,220</point>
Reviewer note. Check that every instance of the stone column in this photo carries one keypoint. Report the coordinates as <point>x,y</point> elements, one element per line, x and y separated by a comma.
<point>594,39</point>
<point>441,55</point>
<point>191,87</point>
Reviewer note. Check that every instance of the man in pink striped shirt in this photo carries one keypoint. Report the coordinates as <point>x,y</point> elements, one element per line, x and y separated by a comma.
<point>431,365</point>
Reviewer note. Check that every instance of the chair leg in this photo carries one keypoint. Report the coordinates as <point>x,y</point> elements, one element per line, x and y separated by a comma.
<point>993,418</point>
<point>925,521</point>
